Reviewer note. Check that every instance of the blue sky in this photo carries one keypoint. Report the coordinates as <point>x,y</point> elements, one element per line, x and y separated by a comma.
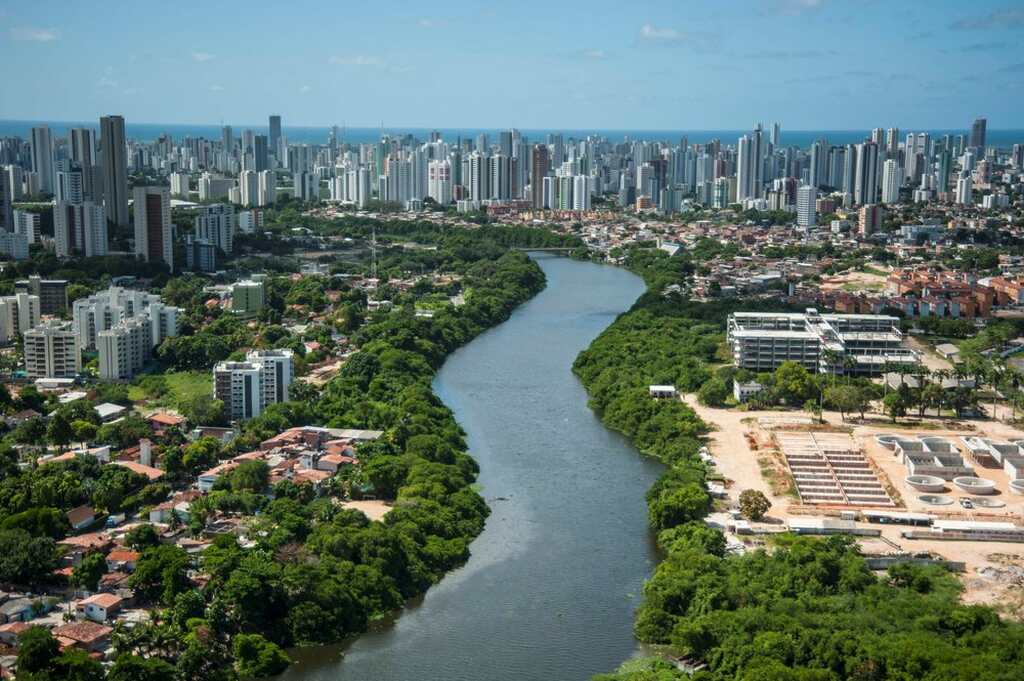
<point>683,64</point>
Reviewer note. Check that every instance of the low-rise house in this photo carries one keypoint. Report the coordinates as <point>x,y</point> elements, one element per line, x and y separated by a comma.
<point>662,391</point>
<point>88,636</point>
<point>76,547</point>
<point>10,632</point>
<point>122,560</point>
<point>16,610</point>
<point>150,472</point>
<point>81,517</point>
<point>161,422</point>
<point>744,391</point>
<point>110,412</point>
<point>99,607</point>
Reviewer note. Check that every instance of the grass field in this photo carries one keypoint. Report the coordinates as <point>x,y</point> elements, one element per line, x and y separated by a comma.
<point>175,387</point>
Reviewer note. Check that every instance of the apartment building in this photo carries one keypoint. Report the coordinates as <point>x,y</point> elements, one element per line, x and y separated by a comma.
<point>247,388</point>
<point>51,351</point>
<point>830,343</point>
<point>123,325</point>
<point>53,293</point>
<point>18,314</point>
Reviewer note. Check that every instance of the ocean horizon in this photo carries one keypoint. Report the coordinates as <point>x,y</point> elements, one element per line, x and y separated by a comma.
<point>148,132</point>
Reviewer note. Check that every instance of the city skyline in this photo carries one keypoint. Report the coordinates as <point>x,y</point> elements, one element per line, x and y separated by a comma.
<point>650,66</point>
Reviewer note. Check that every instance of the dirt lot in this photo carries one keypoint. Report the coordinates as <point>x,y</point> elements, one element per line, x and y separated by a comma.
<point>995,570</point>
<point>854,281</point>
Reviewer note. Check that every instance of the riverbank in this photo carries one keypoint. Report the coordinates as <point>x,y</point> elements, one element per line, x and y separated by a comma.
<point>783,613</point>
<point>555,576</point>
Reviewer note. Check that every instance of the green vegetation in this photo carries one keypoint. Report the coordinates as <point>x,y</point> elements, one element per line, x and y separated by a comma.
<point>807,610</point>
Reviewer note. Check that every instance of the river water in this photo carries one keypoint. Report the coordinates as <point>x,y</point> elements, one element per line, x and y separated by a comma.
<point>554,578</point>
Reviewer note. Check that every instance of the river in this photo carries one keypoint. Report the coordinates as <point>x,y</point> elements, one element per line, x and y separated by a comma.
<point>554,578</point>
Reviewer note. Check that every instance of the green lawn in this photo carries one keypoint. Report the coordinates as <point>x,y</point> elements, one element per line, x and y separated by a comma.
<point>175,387</point>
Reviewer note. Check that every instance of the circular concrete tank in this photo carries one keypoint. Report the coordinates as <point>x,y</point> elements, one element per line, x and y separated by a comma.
<point>926,483</point>
<point>887,441</point>
<point>988,503</point>
<point>1017,486</point>
<point>936,499</point>
<point>973,485</point>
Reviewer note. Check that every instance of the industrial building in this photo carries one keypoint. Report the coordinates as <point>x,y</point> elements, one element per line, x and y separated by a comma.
<point>826,343</point>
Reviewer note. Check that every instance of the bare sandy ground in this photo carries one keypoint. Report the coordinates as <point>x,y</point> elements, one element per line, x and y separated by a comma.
<point>374,510</point>
<point>995,570</point>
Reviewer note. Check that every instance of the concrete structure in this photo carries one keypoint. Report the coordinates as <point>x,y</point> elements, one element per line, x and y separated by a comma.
<point>931,457</point>
<point>79,229</point>
<point>247,297</point>
<point>153,232</point>
<point>13,246</point>
<point>123,325</point>
<point>828,468</point>
<point>114,160</point>
<point>744,391</point>
<point>51,351</point>
<point>863,344</point>
<point>18,314</point>
<point>247,388</point>
<point>216,224</point>
<point>200,254</point>
<point>52,293</point>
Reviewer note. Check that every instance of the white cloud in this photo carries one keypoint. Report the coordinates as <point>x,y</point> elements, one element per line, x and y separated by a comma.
<point>595,54</point>
<point>35,35</point>
<point>648,32</point>
<point>357,60</point>
<point>216,88</point>
<point>202,56</point>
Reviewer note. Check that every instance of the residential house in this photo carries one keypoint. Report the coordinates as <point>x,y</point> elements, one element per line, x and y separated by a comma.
<point>88,636</point>
<point>81,517</point>
<point>99,607</point>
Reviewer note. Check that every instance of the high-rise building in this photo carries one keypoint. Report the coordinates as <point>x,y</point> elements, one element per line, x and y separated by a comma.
<point>439,181</point>
<point>247,297</point>
<point>965,190</point>
<point>749,160</point>
<point>42,157</point>
<point>891,181</point>
<point>870,218</point>
<point>806,206</point>
<point>866,183</point>
<point>6,202</point>
<point>51,351</point>
<point>79,229</point>
<point>18,314</point>
<point>52,293</point>
<point>27,224</point>
<point>305,186</point>
<point>539,169</point>
<point>260,156</point>
<point>247,388</point>
<point>216,224</point>
<point>266,194</point>
<point>114,156</point>
<point>153,225</point>
<point>275,134</point>
<point>978,133</point>
<point>179,185</point>
<point>82,151</point>
<point>70,185</point>
<point>123,349</point>
<point>200,254</point>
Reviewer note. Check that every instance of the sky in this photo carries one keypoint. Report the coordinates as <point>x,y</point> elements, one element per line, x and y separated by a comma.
<point>655,65</point>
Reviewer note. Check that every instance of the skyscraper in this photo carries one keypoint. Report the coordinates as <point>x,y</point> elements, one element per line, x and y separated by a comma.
<point>806,198</point>
<point>890,181</point>
<point>82,143</point>
<point>153,225</point>
<point>978,133</point>
<point>539,168</point>
<point>114,155</point>
<point>259,153</point>
<point>275,134</point>
<point>216,224</point>
<point>865,188</point>
<point>79,229</point>
<point>748,166</point>
<point>42,157</point>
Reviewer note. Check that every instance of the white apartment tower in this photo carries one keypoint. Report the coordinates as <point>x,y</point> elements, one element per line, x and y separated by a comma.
<point>51,351</point>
